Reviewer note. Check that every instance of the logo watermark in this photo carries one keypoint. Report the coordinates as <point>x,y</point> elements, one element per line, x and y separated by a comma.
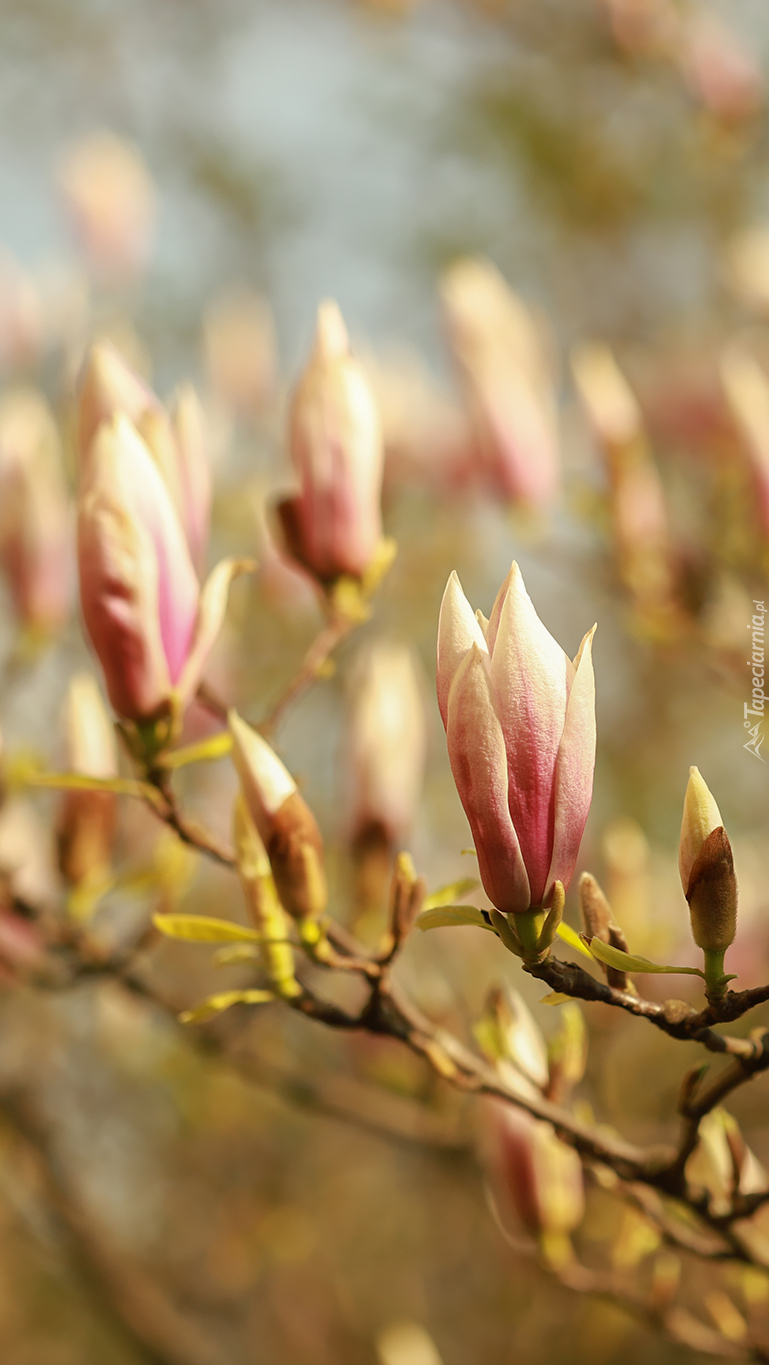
<point>755,707</point>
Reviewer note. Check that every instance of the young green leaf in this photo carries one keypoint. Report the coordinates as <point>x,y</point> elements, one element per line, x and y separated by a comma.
<point>625,962</point>
<point>570,936</point>
<point>204,929</point>
<point>449,894</point>
<point>236,954</point>
<point>215,1004</point>
<point>449,916</point>
<point>205,751</point>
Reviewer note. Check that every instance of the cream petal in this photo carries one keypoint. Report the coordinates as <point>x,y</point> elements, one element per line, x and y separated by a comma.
<point>701,816</point>
<point>477,754</point>
<point>458,629</point>
<point>265,781</point>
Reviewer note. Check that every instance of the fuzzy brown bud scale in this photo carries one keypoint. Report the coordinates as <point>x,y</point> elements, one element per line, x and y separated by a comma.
<point>712,894</point>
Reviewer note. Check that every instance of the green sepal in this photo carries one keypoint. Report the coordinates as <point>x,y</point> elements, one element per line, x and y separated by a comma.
<point>626,962</point>
<point>205,929</point>
<point>452,916</point>
<point>216,1004</point>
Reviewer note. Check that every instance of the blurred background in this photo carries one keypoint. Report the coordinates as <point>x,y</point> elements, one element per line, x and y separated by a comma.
<point>190,180</point>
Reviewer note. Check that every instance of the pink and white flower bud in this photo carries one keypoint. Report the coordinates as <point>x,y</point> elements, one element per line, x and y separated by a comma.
<point>283,820</point>
<point>110,197</point>
<point>333,526</point>
<point>35,514</point>
<point>385,742</point>
<point>150,624</point>
<point>508,388</point>
<point>520,727</point>
<point>87,818</point>
<point>177,443</point>
<point>536,1179</point>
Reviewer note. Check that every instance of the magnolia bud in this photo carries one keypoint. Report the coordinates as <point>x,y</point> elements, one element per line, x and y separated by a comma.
<point>507,1033</point>
<point>707,869</point>
<point>107,385</point>
<point>334,525</point>
<point>110,198</point>
<point>536,1179</point>
<point>284,821</point>
<point>87,821</point>
<point>597,922</point>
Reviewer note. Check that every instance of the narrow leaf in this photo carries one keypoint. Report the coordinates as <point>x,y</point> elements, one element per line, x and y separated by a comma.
<point>207,750</point>
<point>215,1004</point>
<point>573,939</point>
<point>625,962</point>
<point>204,929</point>
<point>555,998</point>
<point>450,916</point>
<point>235,954</point>
<point>447,895</point>
<point>122,786</point>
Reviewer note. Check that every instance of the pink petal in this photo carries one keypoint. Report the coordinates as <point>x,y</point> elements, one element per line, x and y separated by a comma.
<point>477,755</point>
<point>574,769</point>
<point>530,677</point>
<point>147,498</point>
<point>458,630</point>
<point>118,594</point>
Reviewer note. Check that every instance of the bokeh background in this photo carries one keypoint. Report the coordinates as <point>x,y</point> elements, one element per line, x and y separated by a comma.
<point>301,150</point>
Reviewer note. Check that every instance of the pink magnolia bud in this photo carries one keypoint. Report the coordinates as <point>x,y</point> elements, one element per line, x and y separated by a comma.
<point>508,388</point>
<point>109,195</point>
<point>148,620</point>
<point>719,70</point>
<point>385,741</point>
<point>35,516</point>
<point>87,818</point>
<point>520,726</point>
<point>177,443</point>
<point>535,1178</point>
<point>707,868</point>
<point>334,525</point>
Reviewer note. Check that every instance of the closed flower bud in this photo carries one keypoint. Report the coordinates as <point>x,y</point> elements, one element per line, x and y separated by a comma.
<point>284,821</point>
<point>333,526</point>
<point>177,442</point>
<point>149,622</point>
<point>707,869</point>
<point>597,922</point>
<point>35,515</point>
<point>508,388</point>
<point>510,1037</point>
<point>520,726</point>
<point>536,1179</point>
<point>87,821</point>
<point>385,741</point>
<point>110,197</point>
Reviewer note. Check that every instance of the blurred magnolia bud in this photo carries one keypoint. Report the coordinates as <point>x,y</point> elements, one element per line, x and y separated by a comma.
<point>107,385</point>
<point>747,392</point>
<point>110,198</point>
<point>333,526</point>
<point>536,1180</point>
<point>266,911</point>
<point>508,388</point>
<point>86,823</point>
<point>35,516</point>
<point>241,350</point>
<point>283,820</point>
<point>719,69</point>
<point>639,515</point>
<point>508,1035</point>
<point>707,869</point>
<point>723,1162</point>
<point>22,331</point>
<point>597,922</point>
<point>627,855</point>
<point>647,27</point>
<point>150,623</point>
<point>746,266</point>
<point>385,742</point>
<point>567,1053</point>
